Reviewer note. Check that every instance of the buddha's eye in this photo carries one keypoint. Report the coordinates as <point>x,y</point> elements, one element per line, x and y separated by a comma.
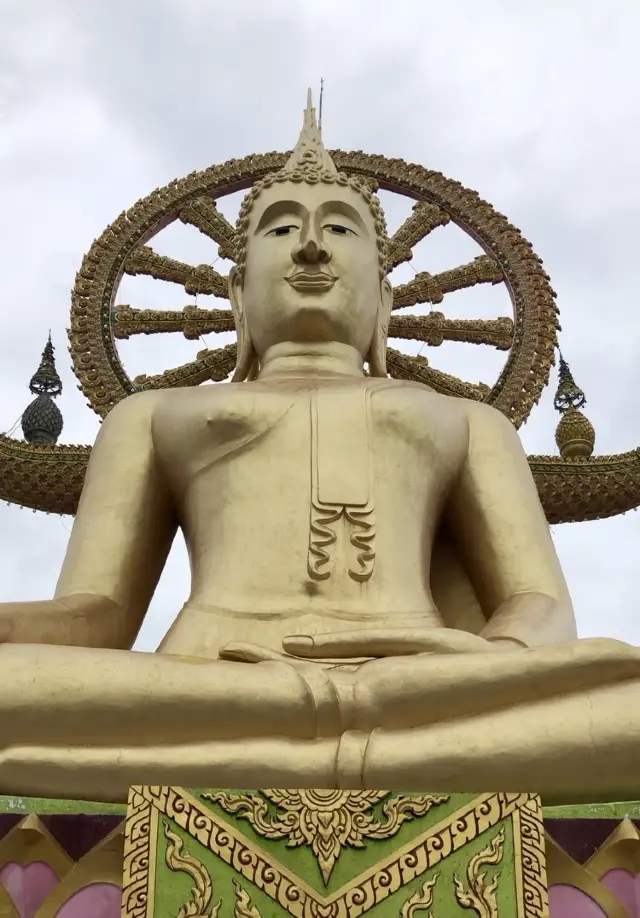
<point>282,230</point>
<point>339,229</point>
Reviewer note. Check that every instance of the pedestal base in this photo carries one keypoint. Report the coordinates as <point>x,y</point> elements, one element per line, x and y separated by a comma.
<point>63,858</point>
<point>332,854</point>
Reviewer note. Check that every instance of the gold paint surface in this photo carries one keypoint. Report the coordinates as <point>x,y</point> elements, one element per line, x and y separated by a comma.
<point>437,646</point>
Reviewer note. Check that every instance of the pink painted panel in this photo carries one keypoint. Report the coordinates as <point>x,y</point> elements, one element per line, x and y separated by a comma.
<point>624,887</point>
<point>569,902</point>
<point>28,885</point>
<point>100,900</point>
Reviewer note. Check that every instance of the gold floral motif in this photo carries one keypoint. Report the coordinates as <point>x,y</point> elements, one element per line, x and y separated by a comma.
<point>199,905</point>
<point>325,820</point>
<point>420,900</point>
<point>480,894</point>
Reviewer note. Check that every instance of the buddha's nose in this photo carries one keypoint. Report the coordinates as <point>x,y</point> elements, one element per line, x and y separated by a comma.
<point>311,249</point>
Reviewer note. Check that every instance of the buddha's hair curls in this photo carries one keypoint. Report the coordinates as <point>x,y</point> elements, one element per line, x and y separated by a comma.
<point>312,177</point>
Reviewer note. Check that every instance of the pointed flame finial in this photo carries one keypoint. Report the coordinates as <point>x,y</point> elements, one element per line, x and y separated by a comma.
<point>575,434</point>
<point>569,394</point>
<point>42,421</point>
<point>45,380</point>
<point>309,154</point>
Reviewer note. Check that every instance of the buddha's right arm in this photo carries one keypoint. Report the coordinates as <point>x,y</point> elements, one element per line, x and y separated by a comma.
<point>119,544</point>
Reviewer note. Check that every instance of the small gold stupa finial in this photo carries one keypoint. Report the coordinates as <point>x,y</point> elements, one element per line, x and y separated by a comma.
<point>309,154</point>
<point>575,434</point>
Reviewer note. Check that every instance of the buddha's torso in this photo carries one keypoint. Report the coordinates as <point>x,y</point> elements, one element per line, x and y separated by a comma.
<point>306,506</point>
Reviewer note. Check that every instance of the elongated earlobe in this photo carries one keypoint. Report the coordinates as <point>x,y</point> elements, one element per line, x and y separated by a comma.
<point>246,360</point>
<point>378,350</point>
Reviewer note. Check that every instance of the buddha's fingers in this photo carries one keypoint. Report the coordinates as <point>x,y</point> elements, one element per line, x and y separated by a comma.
<point>244,652</point>
<point>385,642</point>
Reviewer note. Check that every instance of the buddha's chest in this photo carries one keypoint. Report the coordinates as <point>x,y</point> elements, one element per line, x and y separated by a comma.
<point>341,438</point>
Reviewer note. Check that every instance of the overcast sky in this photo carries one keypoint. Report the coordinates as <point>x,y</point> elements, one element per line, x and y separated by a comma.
<point>533,104</point>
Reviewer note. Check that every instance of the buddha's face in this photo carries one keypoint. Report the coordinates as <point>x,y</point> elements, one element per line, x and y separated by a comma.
<point>311,272</point>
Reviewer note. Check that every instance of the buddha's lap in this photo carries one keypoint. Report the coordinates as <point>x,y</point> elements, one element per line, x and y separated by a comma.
<point>568,668</point>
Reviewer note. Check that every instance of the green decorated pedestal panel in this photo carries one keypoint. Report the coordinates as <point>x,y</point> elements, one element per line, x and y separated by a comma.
<point>332,854</point>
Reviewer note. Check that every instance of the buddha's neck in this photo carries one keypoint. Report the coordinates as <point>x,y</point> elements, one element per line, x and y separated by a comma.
<point>290,359</point>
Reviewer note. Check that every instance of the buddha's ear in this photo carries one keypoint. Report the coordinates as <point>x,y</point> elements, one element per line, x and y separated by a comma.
<point>245,361</point>
<point>378,351</point>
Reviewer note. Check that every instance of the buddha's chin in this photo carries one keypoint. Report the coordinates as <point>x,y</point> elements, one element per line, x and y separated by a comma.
<point>319,318</point>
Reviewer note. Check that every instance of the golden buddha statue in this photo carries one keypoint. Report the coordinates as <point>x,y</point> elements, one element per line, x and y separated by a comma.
<point>376,600</point>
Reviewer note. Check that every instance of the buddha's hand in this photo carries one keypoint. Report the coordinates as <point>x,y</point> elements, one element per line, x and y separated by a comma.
<point>393,642</point>
<point>374,643</point>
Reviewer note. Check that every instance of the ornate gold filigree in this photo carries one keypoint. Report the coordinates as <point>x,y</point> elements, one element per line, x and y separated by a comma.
<point>401,366</point>
<point>191,321</point>
<point>420,900</point>
<point>375,884</point>
<point>139,856</point>
<point>325,820</point>
<point>531,883</point>
<point>480,894</point>
<point>194,278</point>
<point>215,365</point>
<point>431,288</point>
<point>434,329</point>
<point>424,218</point>
<point>243,907</point>
<point>203,213</point>
<point>200,904</point>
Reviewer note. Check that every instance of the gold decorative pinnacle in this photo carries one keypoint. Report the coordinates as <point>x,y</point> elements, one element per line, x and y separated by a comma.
<point>575,434</point>
<point>45,381</point>
<point>309,153</point>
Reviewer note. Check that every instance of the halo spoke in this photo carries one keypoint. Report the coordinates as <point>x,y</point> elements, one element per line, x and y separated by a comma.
<point>433,329</point>
<point>423,220</point>
<point>203,213</point>
<point>402,366</point>
<point>194,279</point>
<point>192,321</point>
<point>208,365</point>
<point>431,288</point>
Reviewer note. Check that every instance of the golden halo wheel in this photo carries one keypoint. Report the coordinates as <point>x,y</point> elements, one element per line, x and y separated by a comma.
<point>529,338</point>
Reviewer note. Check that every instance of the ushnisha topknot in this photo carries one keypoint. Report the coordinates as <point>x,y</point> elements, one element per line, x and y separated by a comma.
<point>310,162</point>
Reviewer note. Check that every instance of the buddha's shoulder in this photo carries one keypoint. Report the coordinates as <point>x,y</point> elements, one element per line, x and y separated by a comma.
<point>144,408</point>
<point>478,415</point>
<point>419,392</point>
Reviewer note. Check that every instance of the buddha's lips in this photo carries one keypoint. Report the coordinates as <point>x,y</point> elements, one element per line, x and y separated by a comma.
<point>312,281</point>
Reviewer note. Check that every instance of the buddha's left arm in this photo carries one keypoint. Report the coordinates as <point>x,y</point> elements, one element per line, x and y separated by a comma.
<point>505,540</point>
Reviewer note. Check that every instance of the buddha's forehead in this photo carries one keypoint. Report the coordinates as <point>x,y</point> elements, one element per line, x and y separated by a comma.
<point>304,198</point>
